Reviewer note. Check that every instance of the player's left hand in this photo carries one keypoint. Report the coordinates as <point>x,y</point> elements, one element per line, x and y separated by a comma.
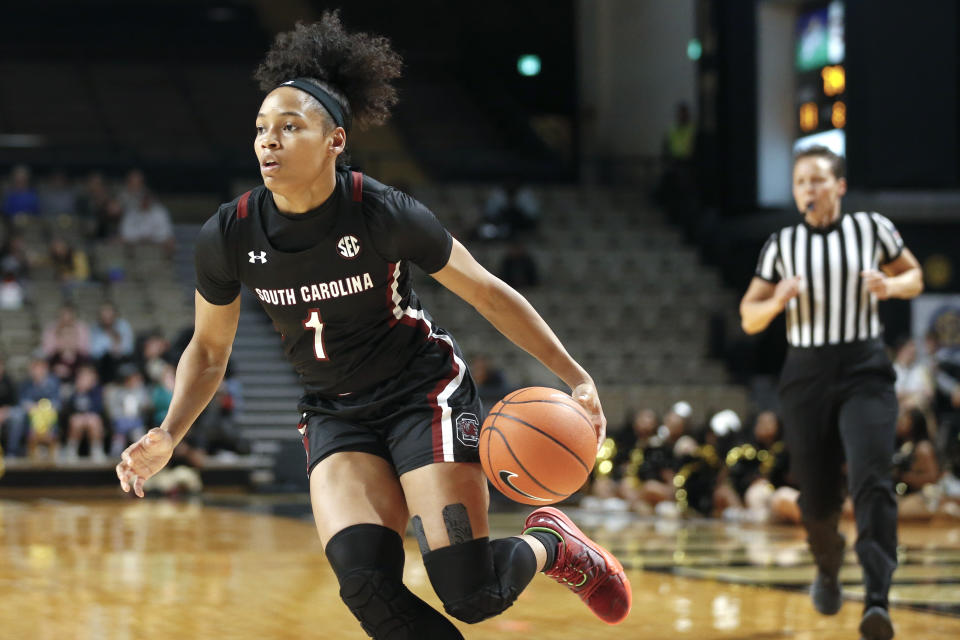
<point>586,394</point>
<point>876,283</point>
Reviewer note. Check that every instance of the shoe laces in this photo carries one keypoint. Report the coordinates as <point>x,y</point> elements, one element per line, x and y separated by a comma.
<point>575,570</point>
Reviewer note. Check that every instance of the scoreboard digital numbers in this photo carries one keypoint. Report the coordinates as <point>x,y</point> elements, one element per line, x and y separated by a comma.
<point>821,79</point>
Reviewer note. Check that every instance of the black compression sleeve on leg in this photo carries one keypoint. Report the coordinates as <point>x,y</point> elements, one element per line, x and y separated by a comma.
<point>368,560</point>
<point>364,546</point>
<point>515,562</point>
<point>480,579</point>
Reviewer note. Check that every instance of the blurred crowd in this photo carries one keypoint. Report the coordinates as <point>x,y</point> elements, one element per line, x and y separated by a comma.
<point>73,218</point>
<point>91,385</point>
<point>740,469</point>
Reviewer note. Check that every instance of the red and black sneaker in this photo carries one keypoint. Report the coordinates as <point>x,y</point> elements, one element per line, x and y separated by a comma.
<point>586,568</point>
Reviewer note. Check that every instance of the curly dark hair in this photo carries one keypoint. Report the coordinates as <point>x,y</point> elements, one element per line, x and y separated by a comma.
<point>356,68</point>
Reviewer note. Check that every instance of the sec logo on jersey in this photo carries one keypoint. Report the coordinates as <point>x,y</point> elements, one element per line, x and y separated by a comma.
<point>348,247</point>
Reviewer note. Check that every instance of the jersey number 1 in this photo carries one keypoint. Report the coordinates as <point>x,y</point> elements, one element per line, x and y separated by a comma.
<point>313,321</point>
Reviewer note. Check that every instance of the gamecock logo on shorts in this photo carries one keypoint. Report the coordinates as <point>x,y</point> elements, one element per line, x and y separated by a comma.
<point>468,429</point>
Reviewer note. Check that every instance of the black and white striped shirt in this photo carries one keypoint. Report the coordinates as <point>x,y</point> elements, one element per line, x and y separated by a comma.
<point>834,306</point>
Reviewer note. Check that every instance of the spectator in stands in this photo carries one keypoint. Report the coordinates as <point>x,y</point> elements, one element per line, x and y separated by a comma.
<point>677,189</point>
<point>949,485</point>
<point>214,431</point>
<point>100,212</point>
<point>699,455</point>
<point>518,268</point>
<point>43,430</point>
<point>127,406</point>
<point>641,427</point>
<point>679,144</point>
<point>491,381</point>
<point>508,211</point>
<point>8,401</point>
<point>723,431</point>
<point>15,259</point>
<point>70,264</point>
<point>234,387</point>
<point>624,450</point>
<point>914,385</point>
<point>154,356</point>
<point>147,222</point>
<point>677,423</point>
<point>53,332</point>
<point>217,430</point>
<point>40,403</point>
<point>67,359</point>
<point>92,198</point>
<point>133,190</point>
<point>84,415</point>
<point>915,466</point>
<point>946,375</point>
<point>109,222</point>
<point>20,197</point>
<point>12,294</point>
<point>57,196</point>
<point>111,342</point>
<point>756,486</point>
<point>162,393</point>
<point>216,426</point>
<point>653,482</point>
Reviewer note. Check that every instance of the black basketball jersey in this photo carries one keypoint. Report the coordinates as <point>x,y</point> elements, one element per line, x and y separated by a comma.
<point>344,307</point>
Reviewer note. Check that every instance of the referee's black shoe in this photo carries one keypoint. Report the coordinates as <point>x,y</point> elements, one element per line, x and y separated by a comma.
<point>826,593</point>
<point>876,624</point>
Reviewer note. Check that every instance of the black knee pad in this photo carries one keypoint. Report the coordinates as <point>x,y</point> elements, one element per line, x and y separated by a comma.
<point>368,560</point>
<point>479,579</point>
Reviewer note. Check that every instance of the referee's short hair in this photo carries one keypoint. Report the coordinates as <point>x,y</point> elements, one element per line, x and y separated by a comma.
<point>837,163</point>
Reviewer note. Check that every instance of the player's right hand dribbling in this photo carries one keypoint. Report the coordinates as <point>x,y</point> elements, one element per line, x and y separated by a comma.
<point>788,289</point>
<point>143,459</point>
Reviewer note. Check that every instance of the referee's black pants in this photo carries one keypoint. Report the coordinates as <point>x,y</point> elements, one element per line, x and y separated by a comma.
<point>839,405</point>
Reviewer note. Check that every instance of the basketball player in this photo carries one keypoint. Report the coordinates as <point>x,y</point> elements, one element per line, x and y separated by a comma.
<point>390,411</point>
<point>827,274</point>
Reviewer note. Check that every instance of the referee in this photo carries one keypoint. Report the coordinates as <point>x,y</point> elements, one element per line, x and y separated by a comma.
<point>827,274</point>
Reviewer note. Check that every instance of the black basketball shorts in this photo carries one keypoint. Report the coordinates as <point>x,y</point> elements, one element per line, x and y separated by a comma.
<point>429,412</point>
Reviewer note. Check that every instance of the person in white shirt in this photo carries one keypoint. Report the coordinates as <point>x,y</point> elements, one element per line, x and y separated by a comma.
<point>148,222</point>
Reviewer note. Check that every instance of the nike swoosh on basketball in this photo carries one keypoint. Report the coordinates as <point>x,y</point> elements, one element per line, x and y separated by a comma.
<point>506,477</point>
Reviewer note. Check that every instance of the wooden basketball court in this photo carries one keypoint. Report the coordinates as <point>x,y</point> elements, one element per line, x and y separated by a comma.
<point>110,568</point>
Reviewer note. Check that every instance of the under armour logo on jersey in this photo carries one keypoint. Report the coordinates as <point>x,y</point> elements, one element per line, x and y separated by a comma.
<point>348,246</point>
<point>254,257</point>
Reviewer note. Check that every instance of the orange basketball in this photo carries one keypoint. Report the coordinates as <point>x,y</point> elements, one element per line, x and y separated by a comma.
<point>537,446</point>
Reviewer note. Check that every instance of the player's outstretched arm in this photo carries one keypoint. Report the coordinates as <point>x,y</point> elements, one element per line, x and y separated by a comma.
<point>199,373</point>
<point>516,318</point>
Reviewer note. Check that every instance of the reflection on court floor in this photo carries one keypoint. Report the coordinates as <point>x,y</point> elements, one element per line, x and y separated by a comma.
<point>928,576</point>
<point>232,568</point>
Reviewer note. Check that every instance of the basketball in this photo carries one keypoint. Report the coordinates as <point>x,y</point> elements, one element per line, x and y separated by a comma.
<point>537,446</point>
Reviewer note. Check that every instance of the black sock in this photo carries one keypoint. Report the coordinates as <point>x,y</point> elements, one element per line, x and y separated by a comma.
<point>550,542</point>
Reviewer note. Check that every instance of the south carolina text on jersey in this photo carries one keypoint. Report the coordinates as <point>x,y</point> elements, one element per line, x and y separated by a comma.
<point>319,291</point>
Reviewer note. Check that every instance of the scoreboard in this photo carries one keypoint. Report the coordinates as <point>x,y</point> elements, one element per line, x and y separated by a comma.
<point>821,77</point>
